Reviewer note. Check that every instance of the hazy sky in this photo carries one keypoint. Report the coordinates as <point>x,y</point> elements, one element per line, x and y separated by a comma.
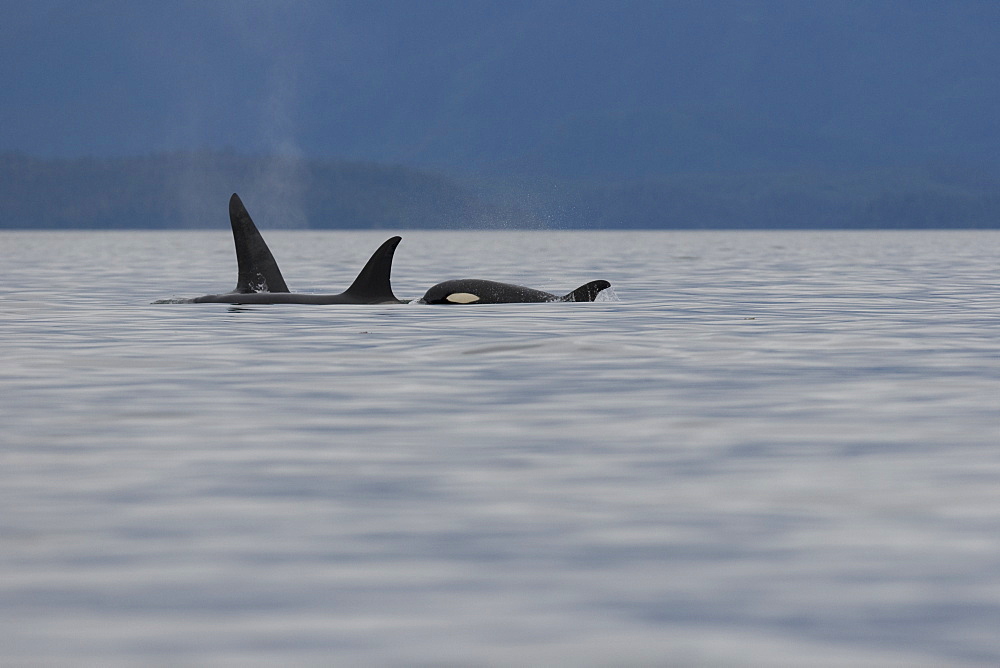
<point>568,87</point>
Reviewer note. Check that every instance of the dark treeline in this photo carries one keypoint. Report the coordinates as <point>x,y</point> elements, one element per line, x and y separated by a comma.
<point>932,197</point>
<point>191,190</point>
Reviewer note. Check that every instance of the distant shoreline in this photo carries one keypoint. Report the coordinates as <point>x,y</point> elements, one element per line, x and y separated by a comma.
<point>190,191</point>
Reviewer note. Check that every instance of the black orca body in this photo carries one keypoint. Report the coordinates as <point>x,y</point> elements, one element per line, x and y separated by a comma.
<point>260,281</point>
<point>479,291</point>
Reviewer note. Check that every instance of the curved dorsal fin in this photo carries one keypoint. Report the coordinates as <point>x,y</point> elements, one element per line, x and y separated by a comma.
<point>258,272</point>
<point>372,285</point>
<point>586,292</point>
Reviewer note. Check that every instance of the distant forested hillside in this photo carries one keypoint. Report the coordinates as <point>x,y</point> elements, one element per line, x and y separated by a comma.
<point>191,190</point>
<point>939,196</point>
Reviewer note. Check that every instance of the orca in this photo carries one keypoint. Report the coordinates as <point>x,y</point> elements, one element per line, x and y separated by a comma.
<point>479,291</point>
<point>259,280</point>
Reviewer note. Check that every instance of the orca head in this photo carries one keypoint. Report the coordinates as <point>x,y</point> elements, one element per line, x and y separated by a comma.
<point>451,292</point>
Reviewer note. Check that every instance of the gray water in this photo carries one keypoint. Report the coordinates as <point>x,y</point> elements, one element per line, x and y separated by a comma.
<point>771,449</point>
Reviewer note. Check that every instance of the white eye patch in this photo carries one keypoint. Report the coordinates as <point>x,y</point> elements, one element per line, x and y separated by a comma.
<point>462,298</point>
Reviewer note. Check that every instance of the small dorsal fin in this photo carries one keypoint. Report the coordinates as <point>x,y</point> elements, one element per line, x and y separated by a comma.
<point>372,285</point>
<point>587,292</point>
<point>258,272</point>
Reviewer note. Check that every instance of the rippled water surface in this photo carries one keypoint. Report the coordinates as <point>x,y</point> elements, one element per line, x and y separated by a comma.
<point>771,449</point>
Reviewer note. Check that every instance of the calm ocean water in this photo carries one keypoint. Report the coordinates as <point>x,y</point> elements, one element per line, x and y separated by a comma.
<point>771,449</point>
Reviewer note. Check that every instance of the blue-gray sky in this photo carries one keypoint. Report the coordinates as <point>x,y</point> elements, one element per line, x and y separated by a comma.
<point>561,87</point>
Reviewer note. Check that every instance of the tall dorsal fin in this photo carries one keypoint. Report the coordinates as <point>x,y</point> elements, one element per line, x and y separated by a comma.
<point>258,272</point>
<point>586,292</point>
<point>372,285</point>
